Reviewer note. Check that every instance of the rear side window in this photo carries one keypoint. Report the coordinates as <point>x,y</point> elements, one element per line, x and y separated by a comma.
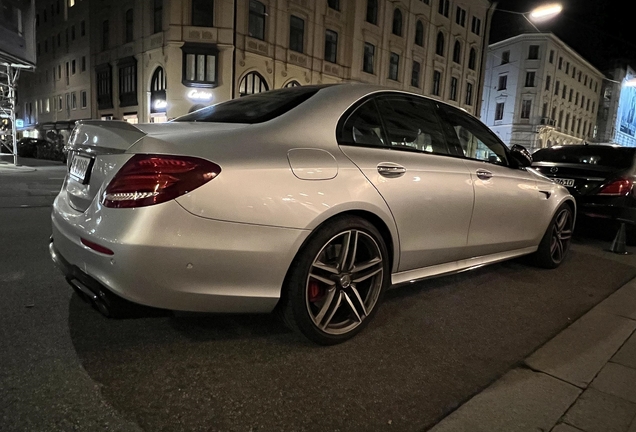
<point>612,157</point>
<point>396,122</point>
<point>257,108</point>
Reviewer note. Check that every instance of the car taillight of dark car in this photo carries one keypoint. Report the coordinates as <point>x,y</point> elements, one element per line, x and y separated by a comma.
<point>148,179</point>
<point>619,187</point>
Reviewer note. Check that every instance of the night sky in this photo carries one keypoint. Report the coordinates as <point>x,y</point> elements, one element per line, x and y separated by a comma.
<point>598,30</point>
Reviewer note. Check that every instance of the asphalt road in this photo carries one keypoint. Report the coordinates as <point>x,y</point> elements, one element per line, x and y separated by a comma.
<point>431,346</point>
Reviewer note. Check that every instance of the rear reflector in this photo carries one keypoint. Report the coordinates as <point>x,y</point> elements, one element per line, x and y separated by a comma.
<point>152,179</point>
<point>96,247</point>
<point>617,187</point>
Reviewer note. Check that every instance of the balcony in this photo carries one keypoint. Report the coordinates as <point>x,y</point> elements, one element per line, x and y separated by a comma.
<point>547,121</point>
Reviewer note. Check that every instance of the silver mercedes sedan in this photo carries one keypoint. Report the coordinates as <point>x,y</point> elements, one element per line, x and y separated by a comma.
<point>309,201</point>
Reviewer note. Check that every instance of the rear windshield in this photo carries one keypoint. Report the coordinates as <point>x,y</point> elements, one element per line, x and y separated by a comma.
<point>603,156</point>
<point>256,108</point>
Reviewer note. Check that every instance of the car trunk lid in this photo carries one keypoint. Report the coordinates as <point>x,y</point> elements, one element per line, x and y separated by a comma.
<point>579,179</point>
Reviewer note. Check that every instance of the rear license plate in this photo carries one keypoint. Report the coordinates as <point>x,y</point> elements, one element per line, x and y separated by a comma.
<point>80,168</point>
<point>564,182</point>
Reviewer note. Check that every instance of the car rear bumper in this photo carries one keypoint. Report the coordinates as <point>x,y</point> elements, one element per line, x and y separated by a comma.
<point>621,209</point>
<point>167,258</point>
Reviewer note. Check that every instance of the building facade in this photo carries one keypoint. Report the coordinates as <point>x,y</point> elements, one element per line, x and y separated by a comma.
<point>539,93</point>
<point>153,60</point>
<point>617,111</point>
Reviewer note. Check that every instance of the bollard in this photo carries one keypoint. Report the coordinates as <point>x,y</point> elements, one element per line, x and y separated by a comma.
<point>618,245</point>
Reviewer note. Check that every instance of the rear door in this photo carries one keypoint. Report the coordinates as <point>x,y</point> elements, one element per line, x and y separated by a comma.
<point>397,142</point>
<point>509,211</point>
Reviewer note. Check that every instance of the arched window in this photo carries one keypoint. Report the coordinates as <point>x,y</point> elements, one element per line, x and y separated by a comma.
<point>158,91</point>
<point>419,33</point>
<point>457,52</point>
<point>292,83</point>
<point>397,22</point>
<point>472,59</point>
<point>372,11</point>
<point>439,46</point>
<point>252,83</point>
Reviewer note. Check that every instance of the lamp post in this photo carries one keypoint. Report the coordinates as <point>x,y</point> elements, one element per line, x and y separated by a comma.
<point>539,14</point>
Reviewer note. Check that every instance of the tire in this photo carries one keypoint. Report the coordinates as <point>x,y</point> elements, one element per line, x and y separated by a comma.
<point>555,243</point>
<point>329,299</point>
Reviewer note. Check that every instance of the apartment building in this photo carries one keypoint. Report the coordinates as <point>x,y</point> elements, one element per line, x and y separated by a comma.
<point>617,111</point>
<point>153,60</point>
<point>538,92</point>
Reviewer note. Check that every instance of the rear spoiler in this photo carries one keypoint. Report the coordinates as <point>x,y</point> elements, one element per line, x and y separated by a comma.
<point>103,136</point>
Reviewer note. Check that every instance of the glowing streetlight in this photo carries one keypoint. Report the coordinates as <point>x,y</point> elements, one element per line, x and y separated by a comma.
<point>546,12</point>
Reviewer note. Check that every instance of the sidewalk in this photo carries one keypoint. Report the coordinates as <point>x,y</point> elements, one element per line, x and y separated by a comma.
<point>584,379</point>
<point>24,164</point>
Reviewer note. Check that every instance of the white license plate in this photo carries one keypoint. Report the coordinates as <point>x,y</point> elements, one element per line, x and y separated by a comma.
<point>564,182</point>
<point>80,168</point>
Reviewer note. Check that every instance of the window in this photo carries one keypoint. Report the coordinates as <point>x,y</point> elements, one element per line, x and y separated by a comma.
<point>499,111</point>
<point>334,4</point>
<point>83,63</point>
<point>203,13</point>
<point>469,94</point>
<point>567,67</point>
<point>551,58</point>
<point>533,52</point>
<point>565,92</point>
<point>157,23</point>
<point>460,16</point>
<point>397,22</point>
<point>476,26</point>
<point>453,89</point>
<point>472,59</point>
<point>394,63</point>
<point>296,34</point>
<point>571,95</point>
<point>560,63</point>
<point>553,117</point>
<point>83,28</point>
<point>503,82</point>
<point>59,103</point>
<point>580,76</point>
<point>369,58</point>
<point>105,35</point>
<point>158,91</point>
<point>74,100</point>
<point>505,57</point>
<point>526,106</point>
<point>72,67</point>
<point>556,87</point>
<point>331,46</point>
<point>128,33</point>
<point>587,108</point>
<point>547,82</point>
<point>419,33</point>
<point>437,80</point>
<point>439,45</point>
<point>584,126</point>
<point>560,123</point>
<point>457,52</point>
<point>530,78</point>
<point>567,122</point>
<point>252,83</point>
<point>104,87</point>
<point>593,107</point>
<point>127,81</point>
<point>256,25</point>
<point>372,11</point>
<point>83,99</point>
<point>363,127</point>
<point>199,65</point>
<point>292,83</point>
<point>576,99</point>
<point>415,74</point>
<point>573,71</point>
<point>544,111</point>
<point>444,6</point>
<point>68,101</point>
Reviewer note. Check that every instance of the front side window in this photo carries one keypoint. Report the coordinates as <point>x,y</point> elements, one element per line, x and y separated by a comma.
<point>331,46</point>
<point>203,13</point>
<point>369,58</point>
<point>296,34</point>
<point>199,65</point>
<point>473,139</point>
<point>394,64</point>
<point>256,24</point>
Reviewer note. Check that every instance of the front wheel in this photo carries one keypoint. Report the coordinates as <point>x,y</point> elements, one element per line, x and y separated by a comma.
<point>336,282</point>
<point>555,243</point>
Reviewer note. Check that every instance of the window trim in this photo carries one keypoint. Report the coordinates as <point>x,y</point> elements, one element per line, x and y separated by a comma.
<point>199,49</point>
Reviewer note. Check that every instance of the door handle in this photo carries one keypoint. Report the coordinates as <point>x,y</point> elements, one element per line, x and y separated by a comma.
<point>483,174</point>
<point>391,170</point>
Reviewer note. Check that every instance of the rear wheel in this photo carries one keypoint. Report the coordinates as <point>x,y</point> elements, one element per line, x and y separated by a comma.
<point>336,282</point>
<point>555,243</point>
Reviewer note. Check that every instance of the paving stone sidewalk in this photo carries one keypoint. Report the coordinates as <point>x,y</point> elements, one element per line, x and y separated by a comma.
<point>584,379</point>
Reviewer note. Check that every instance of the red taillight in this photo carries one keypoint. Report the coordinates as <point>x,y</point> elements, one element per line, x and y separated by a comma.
<point>617,187</point>
<point>96,247</point>
<point>152,179</point>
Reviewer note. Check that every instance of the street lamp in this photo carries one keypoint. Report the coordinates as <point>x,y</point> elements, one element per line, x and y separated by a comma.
<point>539,14</point>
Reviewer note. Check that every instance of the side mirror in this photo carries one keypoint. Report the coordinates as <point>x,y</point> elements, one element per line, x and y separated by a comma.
<point>521,155</point>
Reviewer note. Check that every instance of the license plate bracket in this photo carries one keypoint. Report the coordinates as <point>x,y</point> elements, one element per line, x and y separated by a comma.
<point>80,169</point>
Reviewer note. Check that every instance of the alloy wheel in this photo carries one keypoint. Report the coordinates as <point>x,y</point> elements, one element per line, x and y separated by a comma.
<point>344,282</point>
<point>561,235</point>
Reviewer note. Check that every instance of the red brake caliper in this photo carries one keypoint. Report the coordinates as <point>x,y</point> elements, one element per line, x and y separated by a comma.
<point>315,291</point>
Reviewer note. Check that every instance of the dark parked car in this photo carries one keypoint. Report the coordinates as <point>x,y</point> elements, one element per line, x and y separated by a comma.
<point>27,147</point>
<point>600,177</point>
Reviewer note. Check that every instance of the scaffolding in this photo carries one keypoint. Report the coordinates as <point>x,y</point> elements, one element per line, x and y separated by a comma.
<point>9,74</point>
